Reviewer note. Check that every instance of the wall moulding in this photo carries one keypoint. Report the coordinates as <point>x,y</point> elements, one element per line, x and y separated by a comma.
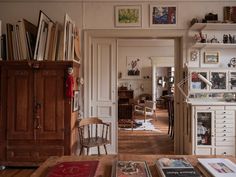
<point>115,1</point>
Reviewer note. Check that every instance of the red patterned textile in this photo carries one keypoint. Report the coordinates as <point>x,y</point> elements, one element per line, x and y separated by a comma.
<point>74,169</point>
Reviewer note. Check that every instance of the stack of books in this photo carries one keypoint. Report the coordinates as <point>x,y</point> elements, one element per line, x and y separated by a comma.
<point>175,167</point>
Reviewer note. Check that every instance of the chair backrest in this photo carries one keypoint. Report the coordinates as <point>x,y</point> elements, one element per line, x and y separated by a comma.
<point>145,96</point>
<point>94,127</point>
<point>150,104</point>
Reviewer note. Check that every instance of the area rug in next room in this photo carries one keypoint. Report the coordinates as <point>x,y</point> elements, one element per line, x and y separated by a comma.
<point>147,126</point>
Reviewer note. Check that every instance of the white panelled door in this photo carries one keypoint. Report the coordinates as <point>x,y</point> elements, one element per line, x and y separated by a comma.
<point>103,84</point>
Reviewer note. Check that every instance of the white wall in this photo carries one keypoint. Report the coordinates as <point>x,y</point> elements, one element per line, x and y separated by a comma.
<point>99,14</point>
<point>144,49</point>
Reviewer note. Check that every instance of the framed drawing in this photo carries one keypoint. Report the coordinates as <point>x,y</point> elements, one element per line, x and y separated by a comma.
<point>76,101</point>
<point>163,15</point>
<point>40,44</point>
<point>211,57</point>
<point>128,16</point>
<point>68,38</point>
<point>133,66</point>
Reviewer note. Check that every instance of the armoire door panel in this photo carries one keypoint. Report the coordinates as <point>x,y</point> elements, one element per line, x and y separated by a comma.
<point>50,96</point>
<point>19,104</point>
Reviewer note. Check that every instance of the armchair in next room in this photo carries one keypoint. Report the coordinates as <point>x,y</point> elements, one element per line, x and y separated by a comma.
<point>148,108</point>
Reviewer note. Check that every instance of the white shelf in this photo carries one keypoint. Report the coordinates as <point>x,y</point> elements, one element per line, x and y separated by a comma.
<point>214,45</point>
<point>213,26</point>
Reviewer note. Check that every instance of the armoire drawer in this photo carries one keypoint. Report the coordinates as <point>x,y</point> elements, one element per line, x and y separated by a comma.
<point>218,116</point>
<point>226,134</point>
<point>224,121</point>
<point>210,108</point>
<point>228,141</point>
<point>224,126</point>
<point>225,112</point>
<point>225,130</point>
<point>225,151</point>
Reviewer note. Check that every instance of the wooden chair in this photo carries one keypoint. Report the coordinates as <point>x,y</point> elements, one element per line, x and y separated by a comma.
<point>93,132</point>
<point>148,108</point>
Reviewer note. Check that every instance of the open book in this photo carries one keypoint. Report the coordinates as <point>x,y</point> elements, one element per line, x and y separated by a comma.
<point>218,167</point>
<point>175,167</point>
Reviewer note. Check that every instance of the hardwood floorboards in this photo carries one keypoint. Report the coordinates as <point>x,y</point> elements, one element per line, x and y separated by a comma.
<point>17,172</point>
<point>147,142</point>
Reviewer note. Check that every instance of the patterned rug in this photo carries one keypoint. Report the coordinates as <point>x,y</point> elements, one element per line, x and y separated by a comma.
<point>126,123</point>
<point>141,125</point>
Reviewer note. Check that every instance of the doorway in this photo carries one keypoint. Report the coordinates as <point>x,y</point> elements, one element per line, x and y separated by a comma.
<point>91,106</point>
<point>148,56</point>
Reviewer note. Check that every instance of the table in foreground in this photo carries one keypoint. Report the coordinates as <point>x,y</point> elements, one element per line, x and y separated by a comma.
<point>104,168</point>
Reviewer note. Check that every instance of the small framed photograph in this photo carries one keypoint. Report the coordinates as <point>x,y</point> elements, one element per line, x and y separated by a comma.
<point>128,16</point>
<point>76,101</point>
<point>133,65</point>
<point>163,15</point>
<point>211,57</point>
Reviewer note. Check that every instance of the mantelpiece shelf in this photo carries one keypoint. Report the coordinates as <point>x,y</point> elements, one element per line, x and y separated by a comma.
<point>214,45</point>
<point>213,26</point>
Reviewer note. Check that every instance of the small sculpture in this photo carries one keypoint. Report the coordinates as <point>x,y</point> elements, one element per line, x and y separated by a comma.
<point>69,83</point>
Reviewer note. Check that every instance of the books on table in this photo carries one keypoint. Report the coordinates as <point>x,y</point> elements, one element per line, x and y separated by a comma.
<point>175,167</point>
<point>74,169</point>
<point>218,167</point>
<point>130,169</point>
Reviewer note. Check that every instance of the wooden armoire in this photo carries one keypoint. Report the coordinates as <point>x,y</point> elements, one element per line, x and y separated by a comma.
<point>36,119</point>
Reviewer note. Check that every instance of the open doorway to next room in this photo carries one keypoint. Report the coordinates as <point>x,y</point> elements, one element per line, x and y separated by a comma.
<point>145,76</point>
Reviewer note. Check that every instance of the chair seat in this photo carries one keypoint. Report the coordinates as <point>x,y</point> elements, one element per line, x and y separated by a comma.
<point>91,142</point>
<point>149,113</point>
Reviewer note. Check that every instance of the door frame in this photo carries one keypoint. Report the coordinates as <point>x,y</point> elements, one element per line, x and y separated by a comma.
<point>179,37</point>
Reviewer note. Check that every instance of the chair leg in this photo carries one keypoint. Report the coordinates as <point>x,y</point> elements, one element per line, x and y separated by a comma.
<point>169,127</point>
<point>155,116</point>
<point>105,148</point>
<point>172,132</point>
<point>132,125</point>
<point>98,150</point>
<point>81,150</point>
<point>87,150</point>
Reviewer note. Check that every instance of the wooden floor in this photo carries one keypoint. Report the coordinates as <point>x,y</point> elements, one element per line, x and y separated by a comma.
<point>147,142</point>
<point>17,172</point>
<point>130,142</point>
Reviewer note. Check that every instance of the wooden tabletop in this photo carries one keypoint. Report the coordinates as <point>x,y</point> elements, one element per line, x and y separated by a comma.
<point>104,168</point>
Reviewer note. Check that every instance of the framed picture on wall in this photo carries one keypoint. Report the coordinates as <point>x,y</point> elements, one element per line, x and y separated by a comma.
<point>163,15</point>
<point>76,101</point>
<point>211,57</point>
<point>133,65</point>
<point>128,16</point>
